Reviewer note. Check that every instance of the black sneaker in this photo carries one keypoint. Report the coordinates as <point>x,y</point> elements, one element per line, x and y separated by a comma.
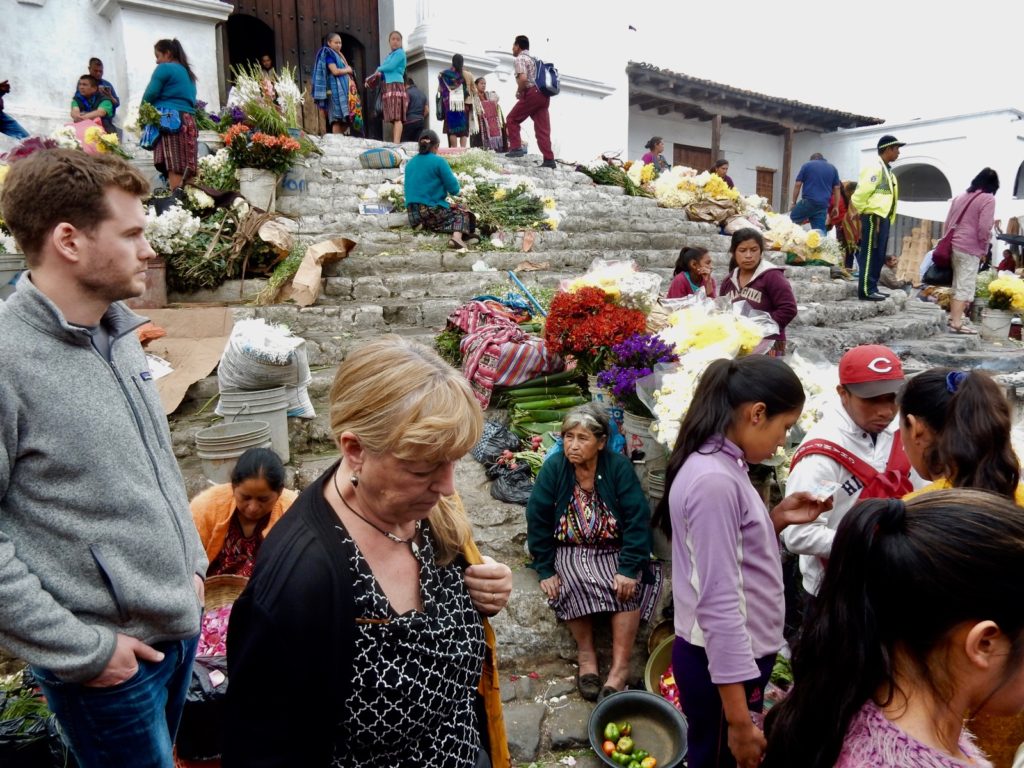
<point>516,153</point>
<point>548,164</point>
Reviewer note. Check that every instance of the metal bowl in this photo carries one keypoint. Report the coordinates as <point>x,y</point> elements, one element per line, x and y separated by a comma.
<point>658,727</point>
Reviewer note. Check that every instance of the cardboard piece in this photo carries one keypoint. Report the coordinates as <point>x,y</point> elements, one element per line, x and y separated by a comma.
<point>305,287</point>
<point>195,340</point>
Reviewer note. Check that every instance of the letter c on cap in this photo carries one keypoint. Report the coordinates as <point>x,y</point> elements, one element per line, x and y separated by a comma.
<point>880,365</point>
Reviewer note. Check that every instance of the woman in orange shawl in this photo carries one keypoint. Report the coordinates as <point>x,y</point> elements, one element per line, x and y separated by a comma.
<point>234,518</point>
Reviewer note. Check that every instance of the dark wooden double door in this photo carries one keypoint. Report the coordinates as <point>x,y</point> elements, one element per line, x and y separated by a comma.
<point>292,31</point>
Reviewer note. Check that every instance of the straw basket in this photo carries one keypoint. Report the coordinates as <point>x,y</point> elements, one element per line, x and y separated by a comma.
<point>223,590</point>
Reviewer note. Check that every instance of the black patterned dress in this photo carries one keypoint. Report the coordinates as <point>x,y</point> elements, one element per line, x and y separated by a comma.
<point>415,674</point>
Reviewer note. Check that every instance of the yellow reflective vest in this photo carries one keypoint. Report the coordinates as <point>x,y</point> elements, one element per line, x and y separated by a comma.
<point>877,191</point>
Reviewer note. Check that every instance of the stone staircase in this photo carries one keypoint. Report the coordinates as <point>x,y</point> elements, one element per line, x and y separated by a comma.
<point>402,282</point>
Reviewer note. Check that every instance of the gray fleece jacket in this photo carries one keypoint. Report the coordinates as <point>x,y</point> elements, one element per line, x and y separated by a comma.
<point>96,536</point>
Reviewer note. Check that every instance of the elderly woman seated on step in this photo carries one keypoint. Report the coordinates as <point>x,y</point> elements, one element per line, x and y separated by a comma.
<point>588,528</point>
<point>428,182</point>
<point>372,586</point>
<point>234,518</point>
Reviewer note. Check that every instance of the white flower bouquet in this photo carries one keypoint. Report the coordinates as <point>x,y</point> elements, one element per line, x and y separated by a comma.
<point>171,231</point>
<point>621,280</point>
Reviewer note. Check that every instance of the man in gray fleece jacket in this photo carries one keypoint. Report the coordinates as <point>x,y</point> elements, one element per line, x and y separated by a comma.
<point>100,564</point>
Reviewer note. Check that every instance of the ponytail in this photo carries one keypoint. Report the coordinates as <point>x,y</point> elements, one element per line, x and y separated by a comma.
<point>724,386</point>
<point>972,421</point>
<point>173,47</point>
<point>899,578</point>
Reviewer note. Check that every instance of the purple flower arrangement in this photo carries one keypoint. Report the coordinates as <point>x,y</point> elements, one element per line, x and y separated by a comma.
<point>635,358</point>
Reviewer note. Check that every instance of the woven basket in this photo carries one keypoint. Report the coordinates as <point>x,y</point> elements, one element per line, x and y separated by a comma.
<point>223,590</point>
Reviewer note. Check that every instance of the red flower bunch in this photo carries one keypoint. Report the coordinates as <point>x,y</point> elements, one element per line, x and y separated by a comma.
<point>254,149</point>
<point>586,324</point>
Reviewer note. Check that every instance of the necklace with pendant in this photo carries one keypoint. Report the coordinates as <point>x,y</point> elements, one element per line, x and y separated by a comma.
<point>410,542</point>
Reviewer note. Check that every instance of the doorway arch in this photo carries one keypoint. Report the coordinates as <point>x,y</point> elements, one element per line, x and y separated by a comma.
<point>921,182</point>
<point>248,39</point>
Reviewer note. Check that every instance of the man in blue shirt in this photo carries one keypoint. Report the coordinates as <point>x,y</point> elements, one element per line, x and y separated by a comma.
<point>818,180</point>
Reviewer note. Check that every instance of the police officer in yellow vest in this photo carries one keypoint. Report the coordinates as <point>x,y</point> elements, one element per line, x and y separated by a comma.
<point>875,198</point>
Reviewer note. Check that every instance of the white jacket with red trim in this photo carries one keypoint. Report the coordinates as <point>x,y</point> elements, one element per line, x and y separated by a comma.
<point>813,541</point>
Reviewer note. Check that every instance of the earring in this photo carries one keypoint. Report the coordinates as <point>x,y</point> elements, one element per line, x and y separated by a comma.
<point>354,480</point>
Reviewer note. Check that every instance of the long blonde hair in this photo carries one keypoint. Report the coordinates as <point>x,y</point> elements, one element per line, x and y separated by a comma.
<point>400,398</point>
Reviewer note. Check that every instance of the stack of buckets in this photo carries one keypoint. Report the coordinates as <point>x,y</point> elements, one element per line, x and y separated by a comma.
<point>219,447</point>
<point>252,419</point>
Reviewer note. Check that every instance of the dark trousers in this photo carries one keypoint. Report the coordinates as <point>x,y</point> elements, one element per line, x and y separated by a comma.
<point>411,130</point>
<point>708,734</point>
<point>874,239</point>
<point>533,104</point>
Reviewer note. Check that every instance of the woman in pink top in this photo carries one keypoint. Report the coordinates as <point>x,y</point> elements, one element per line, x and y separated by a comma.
<point>970,240</point>
<point>919,625</point>
<point>654,156</point>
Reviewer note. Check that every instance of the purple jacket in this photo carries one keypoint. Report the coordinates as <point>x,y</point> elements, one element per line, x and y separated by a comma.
<point>975,231</point>
<point>726,569</point>
<point>768,291</point>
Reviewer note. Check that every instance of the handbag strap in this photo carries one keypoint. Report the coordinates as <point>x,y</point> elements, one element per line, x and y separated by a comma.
<point>964,211</point>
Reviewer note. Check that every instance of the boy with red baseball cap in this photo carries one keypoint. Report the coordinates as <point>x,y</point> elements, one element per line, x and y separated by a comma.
<point>854,453</point>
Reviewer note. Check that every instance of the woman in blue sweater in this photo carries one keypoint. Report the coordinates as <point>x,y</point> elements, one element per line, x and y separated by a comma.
<point>428,182</point>
<point>173,87</point>
<point>394,101</point>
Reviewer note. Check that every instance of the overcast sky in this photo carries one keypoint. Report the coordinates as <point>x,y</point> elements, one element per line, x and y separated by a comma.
<point>894,59</point>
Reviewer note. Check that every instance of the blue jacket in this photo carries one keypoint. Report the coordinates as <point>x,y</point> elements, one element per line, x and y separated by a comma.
<point>393,67</point>
<point>429,180</point>
<point>617,485</point>
<point>170,87</point>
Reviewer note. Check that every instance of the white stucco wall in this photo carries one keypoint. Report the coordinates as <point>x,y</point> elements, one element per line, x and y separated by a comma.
<point>746,151</point>
<point>47,45</point>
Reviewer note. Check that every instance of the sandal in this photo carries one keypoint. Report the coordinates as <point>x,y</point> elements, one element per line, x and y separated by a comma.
<point>589,686</point>
<point>457,247</point>
<point>962,330</point>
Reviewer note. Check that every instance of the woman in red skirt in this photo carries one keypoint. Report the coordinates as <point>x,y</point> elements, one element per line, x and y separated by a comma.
<point>394,101</point>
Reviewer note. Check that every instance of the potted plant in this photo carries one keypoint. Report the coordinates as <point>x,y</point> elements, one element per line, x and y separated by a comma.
<point>1005,298</point>
<point>260,159</point>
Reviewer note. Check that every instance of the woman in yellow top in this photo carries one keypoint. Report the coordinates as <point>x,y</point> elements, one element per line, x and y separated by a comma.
<point>234,518</point>
<point>955,427</point>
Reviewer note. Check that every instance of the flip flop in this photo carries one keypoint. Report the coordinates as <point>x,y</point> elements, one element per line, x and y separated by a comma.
<point>962,330</point>
<point>456,247</point>
<point>589,686</point>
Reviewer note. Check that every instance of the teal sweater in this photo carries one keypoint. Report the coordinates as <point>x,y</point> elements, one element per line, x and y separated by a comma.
<point>429,180</point>
<point>393,67</point>
<point>618,487</point>
<point>170,87</point>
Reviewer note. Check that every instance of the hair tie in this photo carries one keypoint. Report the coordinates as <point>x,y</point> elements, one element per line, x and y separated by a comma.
<point>893,516</point>
<point>954,379</point>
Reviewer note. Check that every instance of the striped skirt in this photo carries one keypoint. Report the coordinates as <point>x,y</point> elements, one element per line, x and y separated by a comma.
<point>587,575</point>
<point>435,218</point>
<point>395,102</point>
<point>178,152</point>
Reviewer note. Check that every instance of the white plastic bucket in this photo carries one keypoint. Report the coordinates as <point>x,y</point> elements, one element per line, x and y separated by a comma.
<point>995,324</point>
<point>258,186</point>
<point>220,446</point>
<point>269,405</point>
<point>641,446</point>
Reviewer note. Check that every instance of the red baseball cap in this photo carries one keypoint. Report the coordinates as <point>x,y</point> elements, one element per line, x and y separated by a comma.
<point>871,370</point>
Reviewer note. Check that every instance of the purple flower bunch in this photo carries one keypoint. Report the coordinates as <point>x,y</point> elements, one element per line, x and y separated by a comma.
<point>635,358</point>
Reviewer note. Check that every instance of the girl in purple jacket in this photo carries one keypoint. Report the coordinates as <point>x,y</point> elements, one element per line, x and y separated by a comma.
<point>727,573</point>
<point>918,626</point>
<point>760,283</point>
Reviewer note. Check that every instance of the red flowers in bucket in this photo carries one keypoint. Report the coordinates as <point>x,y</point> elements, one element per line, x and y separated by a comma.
<point>586,324</point>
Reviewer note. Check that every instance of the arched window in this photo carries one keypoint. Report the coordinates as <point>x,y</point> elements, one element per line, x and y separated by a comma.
<point>920,182</point>
<point>1018,184</point>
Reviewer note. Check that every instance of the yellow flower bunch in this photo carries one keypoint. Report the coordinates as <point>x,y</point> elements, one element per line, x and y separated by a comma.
<point>549,203</point>
<point>814,239</point>
<point>1006,293</point>
<point>726,334</point>
<point>500,194</point>
<point>551,223</point>
<point>718,189</point>
<point>607,283</point>
<point>648,173</point>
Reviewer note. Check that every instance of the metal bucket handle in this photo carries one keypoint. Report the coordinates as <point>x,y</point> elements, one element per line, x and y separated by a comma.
<point>243,409</point>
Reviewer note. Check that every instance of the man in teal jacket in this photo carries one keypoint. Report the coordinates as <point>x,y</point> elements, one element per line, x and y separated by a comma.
<point>101,567</point>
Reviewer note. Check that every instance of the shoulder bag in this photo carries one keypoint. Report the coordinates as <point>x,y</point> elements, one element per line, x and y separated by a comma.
<point>942,256</point>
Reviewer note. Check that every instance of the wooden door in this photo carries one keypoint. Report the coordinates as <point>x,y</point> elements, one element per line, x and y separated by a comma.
<point>299,27</point>
<point>766,184</point>
<point>698,158</point>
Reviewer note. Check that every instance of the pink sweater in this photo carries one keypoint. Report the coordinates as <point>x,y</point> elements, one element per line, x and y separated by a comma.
<point>975,231</point>
<point>874,742</point>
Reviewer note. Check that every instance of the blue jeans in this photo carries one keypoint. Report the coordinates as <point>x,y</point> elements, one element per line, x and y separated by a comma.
<point>130,725</point>
<point>12,127</point>
<point>808,210</point>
